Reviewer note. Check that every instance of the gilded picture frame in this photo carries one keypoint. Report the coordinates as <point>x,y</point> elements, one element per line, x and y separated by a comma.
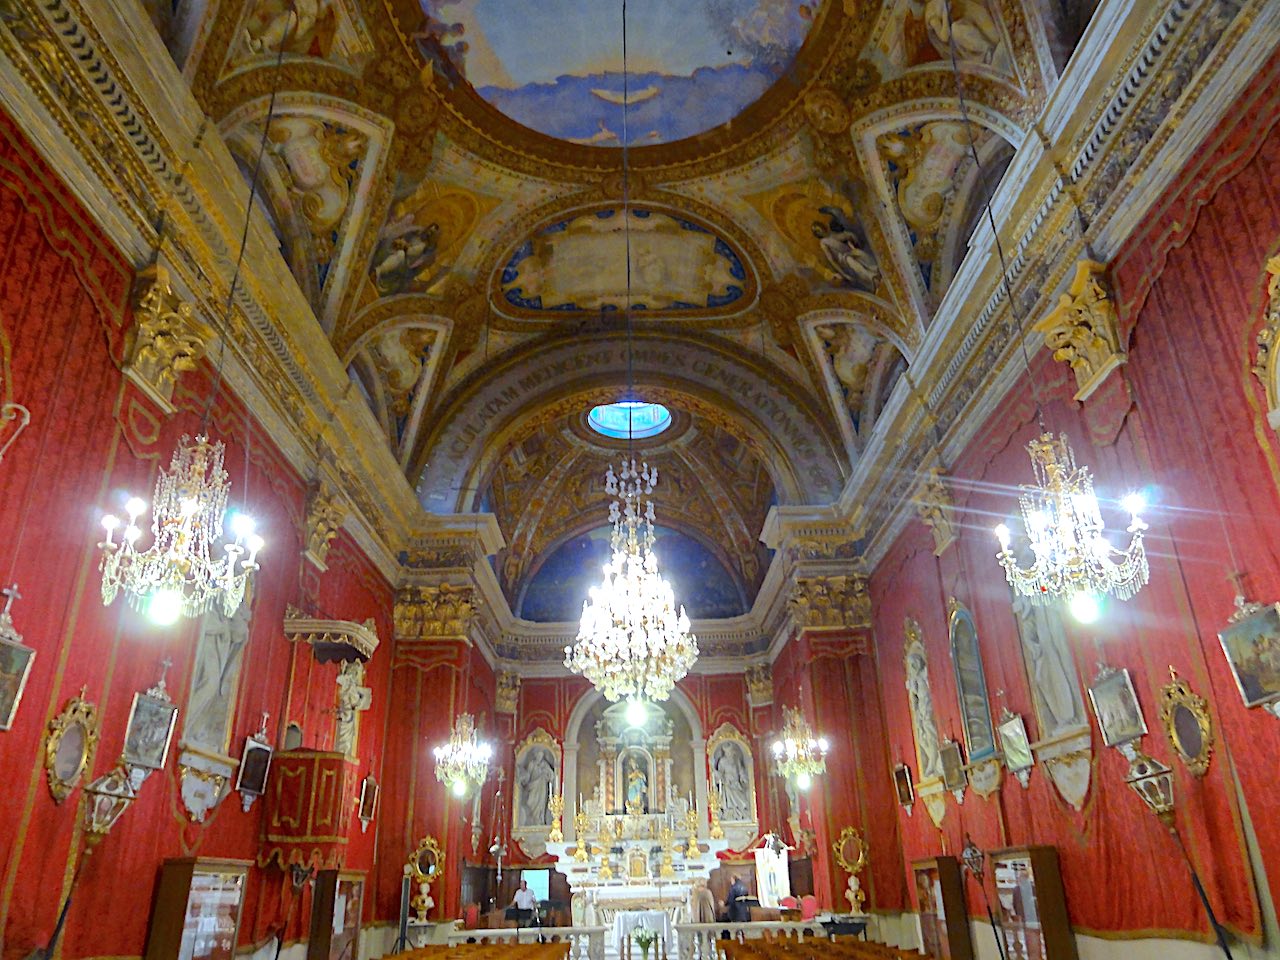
<point>1115,705</point>
<point>1184,714</point>
<point>1251,644</point>
<point>150,731</point>
<point>69,746</point>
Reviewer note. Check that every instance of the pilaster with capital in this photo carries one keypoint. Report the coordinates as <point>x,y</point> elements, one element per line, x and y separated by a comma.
<point>1083,330</point>
<point>167,338</point>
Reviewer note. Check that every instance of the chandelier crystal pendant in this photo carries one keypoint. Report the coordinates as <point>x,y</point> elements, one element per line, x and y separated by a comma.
<point>1073,557</point>
<point>183,572</point>
<point>463,762</point>
<point>799,755</point>
<point>632,644</point>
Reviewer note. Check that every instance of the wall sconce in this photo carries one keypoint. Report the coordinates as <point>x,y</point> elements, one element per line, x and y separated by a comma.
<point>106,800</point>
<point>1153,782</point>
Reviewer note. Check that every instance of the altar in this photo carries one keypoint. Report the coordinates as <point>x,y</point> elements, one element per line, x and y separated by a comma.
<point>641,812</point>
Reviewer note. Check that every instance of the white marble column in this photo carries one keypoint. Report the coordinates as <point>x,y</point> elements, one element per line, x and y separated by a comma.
<point>570,791</point>
<point>699,748</point>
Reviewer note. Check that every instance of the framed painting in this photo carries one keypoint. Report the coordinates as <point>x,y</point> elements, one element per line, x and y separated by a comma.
<point>255,764</point>
<point>903,786</point>
<point>1252,647</point>
<point>150,729</point>
<point>1014,743</point>
<point>953,775</point>
<point>1115,704</point>
<point>15,667</point>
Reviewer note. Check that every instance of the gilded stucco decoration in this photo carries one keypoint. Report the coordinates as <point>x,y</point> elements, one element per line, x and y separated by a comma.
<point>937,510</point>
<point>840,602</point>
<point>442,611</point>
<point>167,338</point>
<point>1083,331</point>
<point>759,685</point>
<point>326,512</point>
<point>507,697</point>
<point>1264,364</point>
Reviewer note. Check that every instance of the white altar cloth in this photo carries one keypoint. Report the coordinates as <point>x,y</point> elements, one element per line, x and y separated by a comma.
<point>627,920</point>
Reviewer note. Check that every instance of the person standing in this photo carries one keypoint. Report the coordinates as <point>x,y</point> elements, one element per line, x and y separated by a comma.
<point>739,911</point>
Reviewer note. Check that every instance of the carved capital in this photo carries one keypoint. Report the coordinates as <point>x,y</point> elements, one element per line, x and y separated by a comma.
<point>440,611</point>
<point>166,340</point>
<point>839,602</point>
<point>937,510</point>
<point>1083,331</point>
<point>326,511</point>
<point>507,698</point>
<point>759,685</point>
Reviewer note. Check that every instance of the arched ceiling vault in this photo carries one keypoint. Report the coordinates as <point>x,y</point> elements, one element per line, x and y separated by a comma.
<point>793,229</point>
<point>757,400</point>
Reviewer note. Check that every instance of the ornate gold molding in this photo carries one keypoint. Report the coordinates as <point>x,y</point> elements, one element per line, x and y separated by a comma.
<point>759,685</point>
<point>326,512</point>
<point>507,698</point>
<point>441,611</point>
<point>1265,362</point>
<point>937,510</point>
<point>830,602</point>
<point>1083,330</point>
<point>167,338</point>
<point>1187,723</point>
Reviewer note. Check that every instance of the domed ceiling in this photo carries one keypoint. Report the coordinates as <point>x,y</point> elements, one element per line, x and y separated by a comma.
<point>693,64</point>
<point>446,184</point>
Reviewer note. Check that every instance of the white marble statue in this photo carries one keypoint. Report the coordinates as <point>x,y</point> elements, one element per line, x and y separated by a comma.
<point>353,698</point>
<point>923,721</point>
<point>219,651</point>
<point>1055,685</point>
<point>537,776</point>
<point>732,781</point>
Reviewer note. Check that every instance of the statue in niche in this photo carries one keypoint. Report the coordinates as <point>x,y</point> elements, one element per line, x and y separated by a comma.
<point>732,782</point>
<point>637,785</point>
<point>1055,685</point>
<point>923,719</point>
<point>214,679</point>
<point>537,776</point>
<point>353,699</point>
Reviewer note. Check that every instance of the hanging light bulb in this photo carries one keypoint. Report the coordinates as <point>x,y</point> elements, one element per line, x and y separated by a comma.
<point>798,754</point>
<point>463,762</point>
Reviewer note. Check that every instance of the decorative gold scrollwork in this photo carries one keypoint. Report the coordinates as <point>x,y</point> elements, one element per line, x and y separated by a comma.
<point>1187,724</point>
<point>69,746</point>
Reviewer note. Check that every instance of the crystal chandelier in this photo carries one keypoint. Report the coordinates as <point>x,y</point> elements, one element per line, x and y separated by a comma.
<point>463,762</point>
<point>1073,558</point>
<point>632,644</point>
<point>798,755</point>
<point>183,572</point>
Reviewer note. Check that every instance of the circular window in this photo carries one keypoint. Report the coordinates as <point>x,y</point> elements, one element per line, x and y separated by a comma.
<point>629,419</point>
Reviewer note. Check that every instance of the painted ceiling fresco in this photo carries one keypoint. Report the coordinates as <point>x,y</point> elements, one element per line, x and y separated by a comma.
<point>556,66</point>
<point>580,264</point>
<point>439,173</point>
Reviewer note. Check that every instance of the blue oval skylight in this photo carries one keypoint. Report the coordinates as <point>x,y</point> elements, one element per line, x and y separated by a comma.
<point>629,418</point>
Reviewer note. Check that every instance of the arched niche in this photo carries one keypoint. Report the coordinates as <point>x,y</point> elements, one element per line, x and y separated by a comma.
<point>689,757</point>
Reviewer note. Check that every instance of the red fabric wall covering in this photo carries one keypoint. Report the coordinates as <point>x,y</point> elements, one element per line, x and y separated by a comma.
<point>1189,285</point>
<point>63,309</point>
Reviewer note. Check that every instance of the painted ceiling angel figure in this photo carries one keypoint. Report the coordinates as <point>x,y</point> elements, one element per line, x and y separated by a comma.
<point>845,248</point>
<point>404,250</point>
<point>971,25</point>
<point>304,27</point>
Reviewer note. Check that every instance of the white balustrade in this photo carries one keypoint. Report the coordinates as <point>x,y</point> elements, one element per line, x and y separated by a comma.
<point>586,943</point>
<point>698,940</point>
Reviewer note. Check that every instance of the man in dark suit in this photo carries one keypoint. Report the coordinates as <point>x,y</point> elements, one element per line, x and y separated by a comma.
<point>739,912</point>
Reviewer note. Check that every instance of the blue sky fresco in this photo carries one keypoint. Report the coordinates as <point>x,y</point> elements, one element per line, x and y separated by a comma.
<point>555,66</point>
